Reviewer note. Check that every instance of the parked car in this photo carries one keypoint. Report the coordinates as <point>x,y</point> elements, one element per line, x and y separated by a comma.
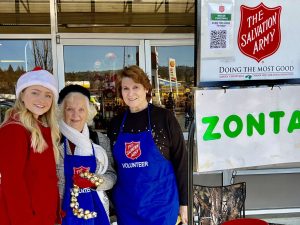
<point>4,105</point>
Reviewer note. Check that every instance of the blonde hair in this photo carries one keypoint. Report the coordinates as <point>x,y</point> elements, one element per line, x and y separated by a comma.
<point>90,107</point>
<point>21,113</point>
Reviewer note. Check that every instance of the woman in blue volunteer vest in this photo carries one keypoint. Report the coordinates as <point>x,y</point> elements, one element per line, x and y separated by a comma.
<point>85,169</point>
<point>150,156</point>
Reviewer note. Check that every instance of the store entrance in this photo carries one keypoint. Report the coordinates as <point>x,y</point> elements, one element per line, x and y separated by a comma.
<point>95,63</point>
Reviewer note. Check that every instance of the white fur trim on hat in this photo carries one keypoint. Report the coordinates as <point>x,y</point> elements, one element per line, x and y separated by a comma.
<point>37,77</point>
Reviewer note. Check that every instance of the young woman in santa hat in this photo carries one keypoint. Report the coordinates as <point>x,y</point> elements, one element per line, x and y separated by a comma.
<point>29,137</point>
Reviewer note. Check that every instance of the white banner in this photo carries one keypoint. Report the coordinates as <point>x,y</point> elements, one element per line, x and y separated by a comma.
<point>172,70</point>
<point>249,40</point>
<point>248,127</point>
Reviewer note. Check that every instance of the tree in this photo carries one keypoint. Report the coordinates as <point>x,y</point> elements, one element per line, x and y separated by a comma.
<point>42,54</point>
<point>7,85</point>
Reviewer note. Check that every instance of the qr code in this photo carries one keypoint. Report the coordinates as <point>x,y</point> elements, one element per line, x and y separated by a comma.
<point>218,38</point>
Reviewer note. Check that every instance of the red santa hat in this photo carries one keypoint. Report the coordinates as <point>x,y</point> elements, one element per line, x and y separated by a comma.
<point>37,76</point>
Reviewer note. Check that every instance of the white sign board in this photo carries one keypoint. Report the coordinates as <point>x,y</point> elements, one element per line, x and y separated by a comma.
<point>172,70</point>
<point>249,40</point>
<point>248,127</point>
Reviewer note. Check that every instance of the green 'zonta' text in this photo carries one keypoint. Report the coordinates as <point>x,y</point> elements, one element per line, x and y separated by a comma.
<point>252,123</point>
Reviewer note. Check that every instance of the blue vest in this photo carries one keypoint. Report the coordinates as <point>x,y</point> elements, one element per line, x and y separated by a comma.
<point>88,198</point>
<point>146,191</point>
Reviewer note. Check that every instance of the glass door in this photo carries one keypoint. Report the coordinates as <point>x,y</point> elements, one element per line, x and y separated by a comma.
<point>171,66</point>
<point>94,63</point>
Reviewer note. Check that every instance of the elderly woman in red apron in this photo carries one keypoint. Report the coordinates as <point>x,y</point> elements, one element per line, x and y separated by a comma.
<point>85,171</point>
<point>150,156</point>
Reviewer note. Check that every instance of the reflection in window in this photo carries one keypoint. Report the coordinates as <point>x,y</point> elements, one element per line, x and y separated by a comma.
<point>173,79</point>
<point>17,57</point>
<point>96,67</point>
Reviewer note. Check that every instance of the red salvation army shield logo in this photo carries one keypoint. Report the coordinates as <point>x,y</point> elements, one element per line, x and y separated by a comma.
<point>133,150</point>
<point>259,33</point>
<point>221,8</point>
<point>81,169</point>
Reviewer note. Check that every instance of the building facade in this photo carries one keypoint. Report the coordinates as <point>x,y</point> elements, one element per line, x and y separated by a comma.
<point>88,42</point>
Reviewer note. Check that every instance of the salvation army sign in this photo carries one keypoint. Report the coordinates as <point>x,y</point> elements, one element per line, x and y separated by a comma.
<point>247,127</point>
<point>245,40</point>
<point>259,33</point>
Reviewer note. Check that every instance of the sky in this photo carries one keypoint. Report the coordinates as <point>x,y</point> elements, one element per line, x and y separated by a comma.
<point>12,50</point>
<point>112,57</point>
<point>91,58</point>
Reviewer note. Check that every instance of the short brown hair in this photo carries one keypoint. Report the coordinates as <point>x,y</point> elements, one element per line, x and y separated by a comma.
<point>137,75</point>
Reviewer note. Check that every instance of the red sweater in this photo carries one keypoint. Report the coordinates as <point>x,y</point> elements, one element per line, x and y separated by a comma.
<point>28,180</point>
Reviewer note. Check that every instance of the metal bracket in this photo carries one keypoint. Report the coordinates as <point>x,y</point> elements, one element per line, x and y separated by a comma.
<point>57,39</point>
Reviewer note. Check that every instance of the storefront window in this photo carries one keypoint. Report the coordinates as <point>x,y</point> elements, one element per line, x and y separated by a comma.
<point>173,79</point>
<point>96,67</point>
<point>17,57</point>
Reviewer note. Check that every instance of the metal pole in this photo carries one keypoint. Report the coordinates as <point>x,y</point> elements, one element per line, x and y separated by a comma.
<point>170,76</point>
<point>25,48</point>
<point>190,148</point>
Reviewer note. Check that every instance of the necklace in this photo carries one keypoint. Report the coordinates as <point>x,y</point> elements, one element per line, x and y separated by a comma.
<point>80,212</point>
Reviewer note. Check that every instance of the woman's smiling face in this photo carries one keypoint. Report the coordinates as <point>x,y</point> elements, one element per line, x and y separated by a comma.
<point>134,94</point>
<point>76,111</point>
<point>37,99</point>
